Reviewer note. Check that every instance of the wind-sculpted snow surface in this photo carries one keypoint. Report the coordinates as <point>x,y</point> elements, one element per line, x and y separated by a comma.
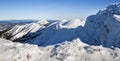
<point>66,51</point>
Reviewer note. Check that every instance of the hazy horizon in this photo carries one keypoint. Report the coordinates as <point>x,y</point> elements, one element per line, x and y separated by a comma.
<point>50,9</point>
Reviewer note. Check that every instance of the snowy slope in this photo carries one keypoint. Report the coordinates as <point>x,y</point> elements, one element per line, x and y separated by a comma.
<point>66,51</point>
<point>19,31</point>
<point>58,32</point>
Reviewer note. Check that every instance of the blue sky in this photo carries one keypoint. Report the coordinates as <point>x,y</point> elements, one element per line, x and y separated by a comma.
<point>50,9</point>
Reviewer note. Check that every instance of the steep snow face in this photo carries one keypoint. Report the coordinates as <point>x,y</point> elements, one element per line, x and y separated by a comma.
<point>59,32</point>
<point>66,51</point>
<point>19,31</point>
<point>104,27</point>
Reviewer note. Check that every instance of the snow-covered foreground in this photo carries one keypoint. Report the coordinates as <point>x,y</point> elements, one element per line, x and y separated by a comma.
<point>10,51</point>
<point>66,51</point>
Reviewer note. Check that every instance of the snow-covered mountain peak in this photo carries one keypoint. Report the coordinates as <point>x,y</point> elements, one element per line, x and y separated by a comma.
<point>74,23</point>
<point>111,9</point>
<point>42,22</point>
